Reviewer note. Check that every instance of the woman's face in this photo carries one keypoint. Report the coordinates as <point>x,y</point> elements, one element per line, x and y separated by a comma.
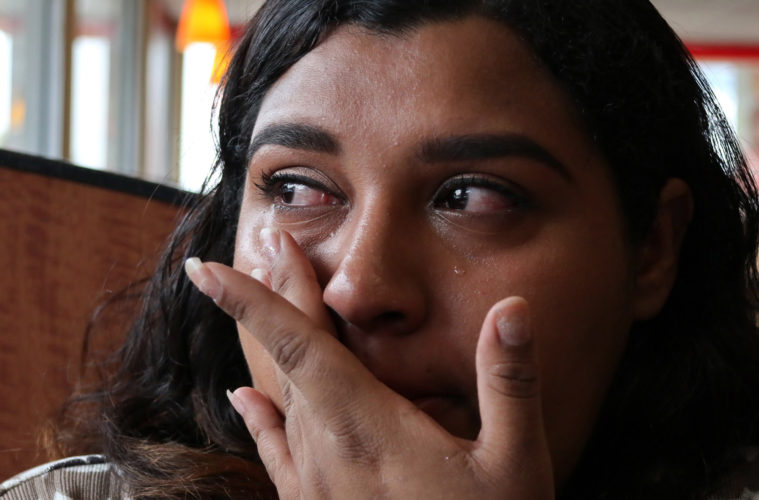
<point>427,176</point>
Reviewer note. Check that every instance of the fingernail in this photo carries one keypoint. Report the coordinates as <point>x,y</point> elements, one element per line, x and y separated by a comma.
<point>263,276</point>
<point>270,241</point>
<point>513,329</point>
<point>237,403</point>
<point>202,277</point>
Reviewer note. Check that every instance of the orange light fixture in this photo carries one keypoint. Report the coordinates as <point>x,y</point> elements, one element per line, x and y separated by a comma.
<point>221,62</point>
<point>203,21</point>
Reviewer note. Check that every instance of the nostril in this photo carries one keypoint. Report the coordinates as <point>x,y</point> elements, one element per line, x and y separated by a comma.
<point>388,318</point>
<point>387,322</point>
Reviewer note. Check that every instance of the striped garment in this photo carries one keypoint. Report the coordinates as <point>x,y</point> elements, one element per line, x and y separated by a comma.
<point>87,477</point>
<point>91,477</point>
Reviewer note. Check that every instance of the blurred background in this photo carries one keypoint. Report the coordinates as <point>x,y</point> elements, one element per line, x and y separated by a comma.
<point>128,85</point>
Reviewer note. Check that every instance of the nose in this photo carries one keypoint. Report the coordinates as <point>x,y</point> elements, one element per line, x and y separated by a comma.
<point>377,285</point>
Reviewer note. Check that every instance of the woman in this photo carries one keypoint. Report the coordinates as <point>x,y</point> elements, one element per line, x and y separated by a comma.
<point>477,248</point>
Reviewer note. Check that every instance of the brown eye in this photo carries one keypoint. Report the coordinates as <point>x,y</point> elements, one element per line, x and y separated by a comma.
<point>478,200</point>
<point>477,195</point>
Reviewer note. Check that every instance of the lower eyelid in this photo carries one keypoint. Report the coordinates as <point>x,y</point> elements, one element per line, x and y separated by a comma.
<point>297,216</point>
<point>487,225</point>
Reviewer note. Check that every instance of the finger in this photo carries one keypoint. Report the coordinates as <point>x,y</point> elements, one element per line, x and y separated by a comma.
<point>512,433</point>
<point>292,276</point>
<point>327,375</point>
<point>267,429</point>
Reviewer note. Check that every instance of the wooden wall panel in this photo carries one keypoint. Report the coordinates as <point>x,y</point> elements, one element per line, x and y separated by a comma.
<point>64,246</point>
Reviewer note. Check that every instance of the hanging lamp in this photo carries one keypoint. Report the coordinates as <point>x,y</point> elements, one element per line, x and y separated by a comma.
<point>221,62</point>
<point>203,21</point>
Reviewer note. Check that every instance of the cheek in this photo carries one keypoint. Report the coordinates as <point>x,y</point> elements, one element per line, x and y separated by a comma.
<point>261,366</point>
<point>578,354</point>
<point>248,251</point>
<point>248,254</point>
<point>582,316</point>
<point>581,328</point>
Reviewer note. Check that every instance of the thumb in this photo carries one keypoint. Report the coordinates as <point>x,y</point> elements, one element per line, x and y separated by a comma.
<point>512,438</point>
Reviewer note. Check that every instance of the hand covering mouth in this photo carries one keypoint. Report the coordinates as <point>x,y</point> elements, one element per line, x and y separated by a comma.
<point>451,411</point>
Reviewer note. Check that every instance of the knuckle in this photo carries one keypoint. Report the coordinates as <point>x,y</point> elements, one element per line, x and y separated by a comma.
<point>353,446</point>
<point>285,282</point>
<point>287,397</point>
<point>255,431</point>
<point>288,349</point>
<point>514,379</point>
<point>233,305</point>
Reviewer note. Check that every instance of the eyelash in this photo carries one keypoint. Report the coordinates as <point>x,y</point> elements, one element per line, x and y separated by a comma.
<point>461,181</point>
<point>271,187</point>
<point>271,184</point>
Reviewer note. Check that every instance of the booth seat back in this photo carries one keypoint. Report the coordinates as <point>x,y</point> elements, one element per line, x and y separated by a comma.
<point>69,238</point>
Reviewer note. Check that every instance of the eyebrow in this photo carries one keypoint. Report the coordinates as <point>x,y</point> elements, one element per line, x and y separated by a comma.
<point>450,149</point>
<point>487,146</point>
<point>294,136</point>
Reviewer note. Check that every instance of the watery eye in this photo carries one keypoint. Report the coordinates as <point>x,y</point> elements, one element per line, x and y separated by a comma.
<point>301,195</point>
<point>477,200</point>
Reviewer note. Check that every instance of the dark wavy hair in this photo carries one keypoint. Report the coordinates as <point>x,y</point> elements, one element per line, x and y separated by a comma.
<point>685,396</point>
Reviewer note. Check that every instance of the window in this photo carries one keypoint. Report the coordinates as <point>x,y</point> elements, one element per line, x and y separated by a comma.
<point>99,83</point>
<point>30,105</point>
<point>735,82</point>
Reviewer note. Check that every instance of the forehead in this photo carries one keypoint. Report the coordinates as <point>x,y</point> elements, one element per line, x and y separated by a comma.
<point>468,76</point>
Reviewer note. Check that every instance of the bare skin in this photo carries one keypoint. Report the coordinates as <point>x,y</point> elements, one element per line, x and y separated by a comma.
<point>419,192</point>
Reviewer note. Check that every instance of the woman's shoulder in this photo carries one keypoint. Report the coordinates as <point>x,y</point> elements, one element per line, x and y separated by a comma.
<point>76,478</point>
